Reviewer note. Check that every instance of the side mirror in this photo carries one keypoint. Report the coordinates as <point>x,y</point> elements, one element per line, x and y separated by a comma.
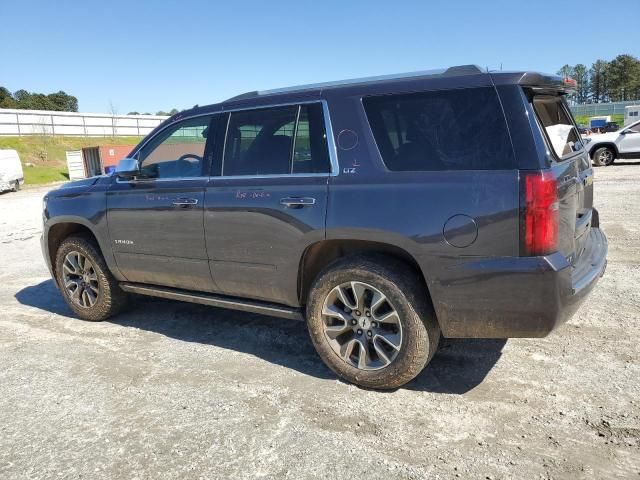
<point>128,168</point>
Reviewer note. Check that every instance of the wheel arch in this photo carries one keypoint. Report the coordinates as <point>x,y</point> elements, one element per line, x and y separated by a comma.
<point>57,232</point>
<point>610,145</point>
<point>319,255</point>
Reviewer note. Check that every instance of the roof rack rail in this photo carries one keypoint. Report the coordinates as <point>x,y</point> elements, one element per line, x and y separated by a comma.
<point>242,96</point>
<point>442,72</point>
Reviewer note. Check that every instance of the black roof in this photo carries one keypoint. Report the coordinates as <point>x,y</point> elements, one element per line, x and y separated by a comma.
<point>439,73</point>
<point>297,93</point>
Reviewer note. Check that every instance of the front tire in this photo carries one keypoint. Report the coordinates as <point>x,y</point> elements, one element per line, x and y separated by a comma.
<point>85,281</point>
<point>371,321</point>
<point>16,186</point>
<point>604,157</point>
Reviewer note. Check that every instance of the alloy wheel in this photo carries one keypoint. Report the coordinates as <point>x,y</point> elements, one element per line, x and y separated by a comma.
<point>606,157</point>
<point>80,279</point>
<point>362,326</point>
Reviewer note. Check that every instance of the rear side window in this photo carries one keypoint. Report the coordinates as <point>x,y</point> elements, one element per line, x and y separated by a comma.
<point>558,126</point>
<point>448,130</point>
<point>276,141</point>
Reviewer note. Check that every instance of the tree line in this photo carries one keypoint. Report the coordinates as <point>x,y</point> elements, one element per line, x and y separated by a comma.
<point>59,101</point>
<point>606,81</point>
<point>173,111</point>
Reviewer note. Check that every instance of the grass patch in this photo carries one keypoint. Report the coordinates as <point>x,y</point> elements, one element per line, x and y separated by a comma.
<point>584,119</point>
<point>48,154</point>
<point>40,174</point>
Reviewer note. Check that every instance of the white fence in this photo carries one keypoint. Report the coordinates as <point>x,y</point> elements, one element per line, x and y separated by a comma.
<point>596,109</point>
<point>43,122</point>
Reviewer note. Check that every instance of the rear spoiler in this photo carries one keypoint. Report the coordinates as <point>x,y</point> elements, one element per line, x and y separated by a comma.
<point>542,82</point>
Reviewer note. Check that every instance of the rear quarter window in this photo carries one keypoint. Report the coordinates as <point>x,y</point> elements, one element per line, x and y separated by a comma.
<point>460,129</point>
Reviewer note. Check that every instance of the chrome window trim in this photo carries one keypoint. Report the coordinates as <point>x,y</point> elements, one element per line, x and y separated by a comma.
<point>275,175</point>
<point>331,145</point>
<point>153,180</point>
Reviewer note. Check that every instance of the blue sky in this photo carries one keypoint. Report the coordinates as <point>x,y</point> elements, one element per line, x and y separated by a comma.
<point>156,55</point>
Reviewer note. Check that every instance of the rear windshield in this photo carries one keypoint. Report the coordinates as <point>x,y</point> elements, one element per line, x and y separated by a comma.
<point>445,130</point>
<point>558,126</point>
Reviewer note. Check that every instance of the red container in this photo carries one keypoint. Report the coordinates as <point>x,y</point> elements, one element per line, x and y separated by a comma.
<point>110,155</point>
<point>99,160</point>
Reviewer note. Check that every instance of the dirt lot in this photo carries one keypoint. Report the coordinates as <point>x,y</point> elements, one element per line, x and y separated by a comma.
<point>173,390</point>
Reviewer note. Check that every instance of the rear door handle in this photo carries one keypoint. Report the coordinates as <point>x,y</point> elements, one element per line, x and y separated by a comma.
<point>297,202</point>
<point>185,202</point>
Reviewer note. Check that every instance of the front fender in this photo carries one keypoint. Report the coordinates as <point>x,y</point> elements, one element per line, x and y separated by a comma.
<point>85,208</point>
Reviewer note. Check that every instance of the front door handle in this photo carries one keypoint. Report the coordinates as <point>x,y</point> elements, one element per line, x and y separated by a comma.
<point>297,202</point>
<point>185,202</point>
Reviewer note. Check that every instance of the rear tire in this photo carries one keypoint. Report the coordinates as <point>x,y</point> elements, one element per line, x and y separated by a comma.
<point>604,157</point>
<point>365,340</point>
<point>16,186</point>
<point>85,281</point>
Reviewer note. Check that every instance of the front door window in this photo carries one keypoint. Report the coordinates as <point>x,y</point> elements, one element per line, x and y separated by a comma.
<point>178,152</point>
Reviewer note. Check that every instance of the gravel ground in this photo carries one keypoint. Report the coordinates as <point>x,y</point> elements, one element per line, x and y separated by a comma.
<point>173,390</point>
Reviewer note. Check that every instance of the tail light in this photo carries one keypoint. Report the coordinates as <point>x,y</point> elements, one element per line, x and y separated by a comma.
<point>539,213</point>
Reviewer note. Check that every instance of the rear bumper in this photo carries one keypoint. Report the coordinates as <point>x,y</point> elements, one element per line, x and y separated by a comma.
<point>516,296</point>
<point>590,266</point>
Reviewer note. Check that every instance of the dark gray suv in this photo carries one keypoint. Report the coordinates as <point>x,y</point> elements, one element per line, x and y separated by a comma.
<point>386,212</point>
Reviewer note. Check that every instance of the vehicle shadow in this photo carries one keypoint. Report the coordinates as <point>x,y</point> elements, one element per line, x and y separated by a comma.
<point>459,365</point>
<point>621,162</point>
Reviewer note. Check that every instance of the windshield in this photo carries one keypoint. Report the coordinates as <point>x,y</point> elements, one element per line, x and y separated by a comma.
<point>558,125</point>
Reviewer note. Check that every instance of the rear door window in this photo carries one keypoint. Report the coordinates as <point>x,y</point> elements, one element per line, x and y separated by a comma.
<point>259,142</point>
<point>461,129</point>
<point>558,125</point>
<point>276,141</point>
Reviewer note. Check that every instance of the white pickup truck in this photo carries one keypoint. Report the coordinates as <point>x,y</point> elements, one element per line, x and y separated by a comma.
<point>11,174</point>
<point>604,148</point>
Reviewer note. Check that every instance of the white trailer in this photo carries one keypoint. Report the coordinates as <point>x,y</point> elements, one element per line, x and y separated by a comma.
<point>631,114</point>
<point>11,174</point>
